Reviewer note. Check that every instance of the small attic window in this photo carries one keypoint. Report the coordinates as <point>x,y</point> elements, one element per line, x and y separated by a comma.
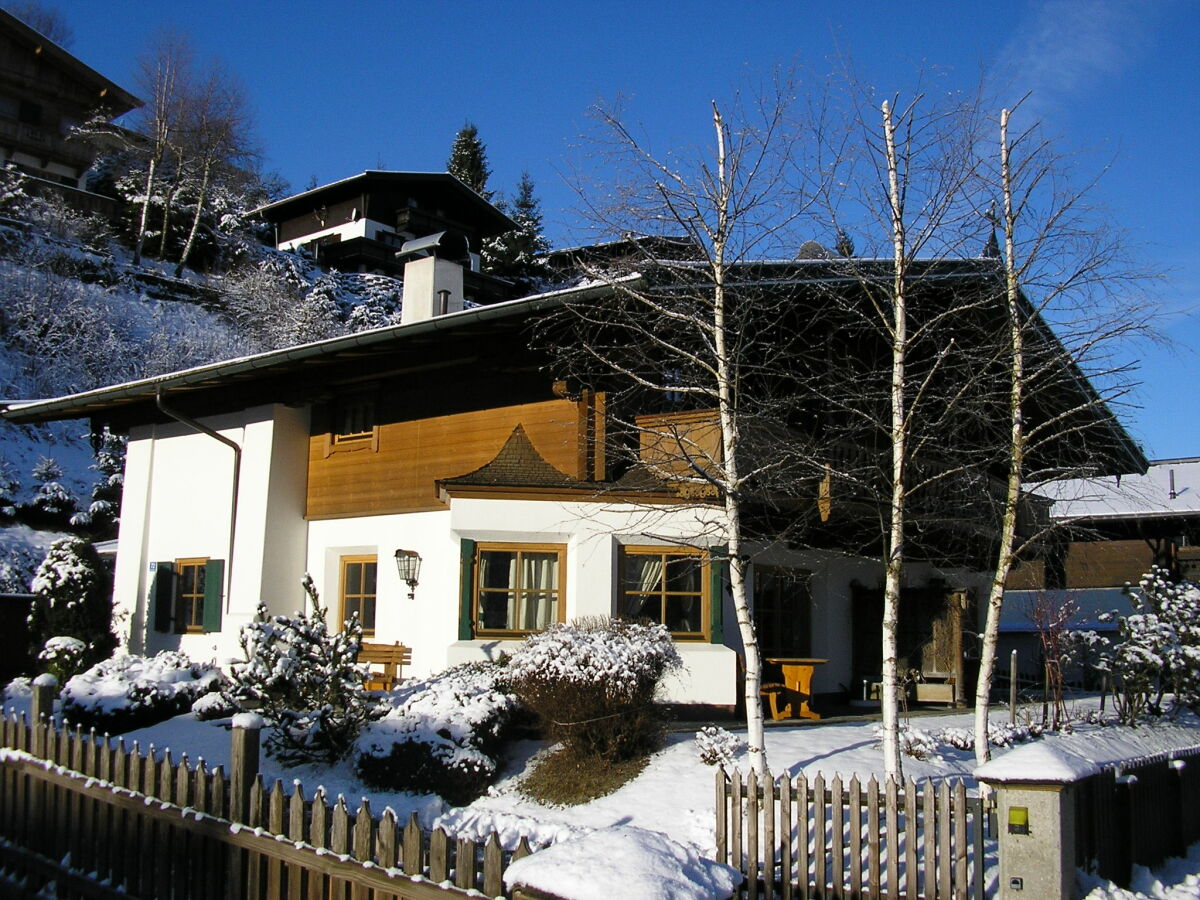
<point>352,423</point>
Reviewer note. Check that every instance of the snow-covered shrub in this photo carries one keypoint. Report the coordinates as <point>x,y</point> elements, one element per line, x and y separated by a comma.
<point>213,706</point>
<point>10,487</point>
<point>72,598</point>
<point>594,683</point>
<point>128,692</point>
<point>305,681</point>
<point>1157,647</point>
<point>718,747</point>
<point>50,498</point>
<point>20,688</point>
<point>17,567</point>
<point>62,657</point>
<point>443,734</point>
<point>1000,734</point>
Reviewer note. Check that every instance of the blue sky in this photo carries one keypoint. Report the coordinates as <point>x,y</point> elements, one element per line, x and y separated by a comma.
<point>339,87</point>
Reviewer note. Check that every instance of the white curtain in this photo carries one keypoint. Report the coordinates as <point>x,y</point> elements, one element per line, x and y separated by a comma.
<point>539,585</point>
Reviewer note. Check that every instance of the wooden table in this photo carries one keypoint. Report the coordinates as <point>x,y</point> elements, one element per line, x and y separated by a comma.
<point>797,680</point>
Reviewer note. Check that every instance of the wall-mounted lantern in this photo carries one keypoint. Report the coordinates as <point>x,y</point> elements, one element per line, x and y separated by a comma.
<point>408,564</point>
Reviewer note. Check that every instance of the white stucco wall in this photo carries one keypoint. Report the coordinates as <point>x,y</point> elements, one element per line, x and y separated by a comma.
<point>178,505</point>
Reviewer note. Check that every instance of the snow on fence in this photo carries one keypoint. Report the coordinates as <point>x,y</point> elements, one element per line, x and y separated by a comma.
<point>796,838</point>
<point>1139,812</point>
<point>102,821</point>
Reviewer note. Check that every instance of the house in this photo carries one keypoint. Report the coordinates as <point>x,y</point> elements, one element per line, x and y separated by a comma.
<point>450,438</point>
<point>1112,530</point>
<point>359,223</point>
<point>45,92</point>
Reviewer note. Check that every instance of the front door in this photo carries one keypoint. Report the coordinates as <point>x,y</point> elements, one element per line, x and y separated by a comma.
<point>782,612</point>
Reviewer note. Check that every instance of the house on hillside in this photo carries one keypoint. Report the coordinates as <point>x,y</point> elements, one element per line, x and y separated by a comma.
<point>1112,530</point>
<point>45,92</point>
<point>452,439</point>
<point>358,224</point>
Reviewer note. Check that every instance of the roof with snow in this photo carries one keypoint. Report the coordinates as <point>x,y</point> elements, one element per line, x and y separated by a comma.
<point>1170,488</point>
<point>450,195</point>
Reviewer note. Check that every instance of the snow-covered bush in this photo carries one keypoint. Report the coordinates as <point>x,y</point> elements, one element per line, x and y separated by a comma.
<point>1157,647</point>
<point>718,747</point>
<point>72,598</point>
<point>305,681</point>
<point>213,706</point>
<point>10,487</point>
<point>442,734</point>
<point>62,657</point>
<point>50,498</point>
<point>128,692</point>
<point>594,683</point>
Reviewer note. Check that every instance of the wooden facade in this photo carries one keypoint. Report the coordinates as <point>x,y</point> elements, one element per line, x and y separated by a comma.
<point>398,469</point>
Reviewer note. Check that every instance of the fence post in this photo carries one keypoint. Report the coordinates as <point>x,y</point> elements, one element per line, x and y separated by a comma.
<point>243,763</point>
<point>44,688</point>
<point>1037,824</point>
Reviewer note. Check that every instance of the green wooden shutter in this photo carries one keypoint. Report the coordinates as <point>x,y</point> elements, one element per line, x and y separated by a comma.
<point>164,595</point>
<point>718,567</point>
<point>466,629</point>
<point>214,584</point>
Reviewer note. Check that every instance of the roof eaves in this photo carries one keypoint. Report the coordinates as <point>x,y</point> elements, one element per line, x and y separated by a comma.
<point>74,405</point>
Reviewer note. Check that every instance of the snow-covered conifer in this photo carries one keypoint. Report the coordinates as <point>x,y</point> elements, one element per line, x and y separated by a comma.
<point>468,160</point>
<point>72,598</point>
<point>304,680</point>
<point>50,497</point>
<point>103,512</point>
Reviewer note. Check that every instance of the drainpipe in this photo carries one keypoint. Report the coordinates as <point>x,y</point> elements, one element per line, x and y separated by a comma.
<point>237,472</point>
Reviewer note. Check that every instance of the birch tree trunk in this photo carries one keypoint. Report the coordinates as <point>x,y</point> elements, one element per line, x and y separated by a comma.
<point>1016,458</point>
<point>727,413</point>
<point>894,562</point>
<point>201,199</point>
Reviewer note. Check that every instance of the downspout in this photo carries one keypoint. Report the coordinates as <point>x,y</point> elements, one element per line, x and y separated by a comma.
<point>237,472</point>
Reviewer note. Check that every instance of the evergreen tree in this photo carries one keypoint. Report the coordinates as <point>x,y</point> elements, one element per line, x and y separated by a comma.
<point>519,254</point>
<point>73,598</point>
<point>50,497</point>
<point>103,512</point>
<point>468,160</point>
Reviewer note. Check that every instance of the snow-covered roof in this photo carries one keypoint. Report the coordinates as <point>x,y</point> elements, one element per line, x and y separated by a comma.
<point>1170,487</point>
<point>142,390</point>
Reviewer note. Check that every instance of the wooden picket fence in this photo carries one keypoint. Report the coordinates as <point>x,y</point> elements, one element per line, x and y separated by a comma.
<point>796,838</point>
<point>100,821</point>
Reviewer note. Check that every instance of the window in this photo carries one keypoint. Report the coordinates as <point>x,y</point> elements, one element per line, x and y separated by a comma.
<point>187,595</point>
<point>668,585</point>
<point>518,588</point>
<point>358,591</point>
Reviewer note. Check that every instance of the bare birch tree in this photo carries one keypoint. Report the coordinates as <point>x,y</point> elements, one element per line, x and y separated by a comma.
<point>1062,262</point>
<point>217,137</point>
<point>163,73</point>
<point>689,333</point>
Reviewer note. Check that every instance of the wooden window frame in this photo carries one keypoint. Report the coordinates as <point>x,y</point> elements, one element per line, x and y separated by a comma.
<point>189,606</point>
<point>705,593</point>
<point>368,438</point>
<point>353,559</point>
<point>519,548</point>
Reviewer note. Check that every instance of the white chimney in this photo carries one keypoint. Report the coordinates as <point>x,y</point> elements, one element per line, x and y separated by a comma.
<point>433,276</point>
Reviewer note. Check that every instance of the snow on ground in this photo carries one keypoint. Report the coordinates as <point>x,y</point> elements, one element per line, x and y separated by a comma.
<point>674,794</point>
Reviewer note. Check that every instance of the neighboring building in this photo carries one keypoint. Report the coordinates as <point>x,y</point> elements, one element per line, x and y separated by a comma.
<point>44,93</point>
<point>449,436</point>
<point>1113,529</point>
<point>360,224</point>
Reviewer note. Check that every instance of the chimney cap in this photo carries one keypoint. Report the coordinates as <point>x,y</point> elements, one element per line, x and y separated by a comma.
<point>451,245</point>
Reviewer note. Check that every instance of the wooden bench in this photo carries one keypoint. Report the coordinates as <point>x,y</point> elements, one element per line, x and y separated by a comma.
<point>392,657</point>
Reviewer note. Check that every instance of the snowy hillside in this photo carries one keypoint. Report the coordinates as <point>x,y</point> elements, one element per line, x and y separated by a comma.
<point>76,314</point>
